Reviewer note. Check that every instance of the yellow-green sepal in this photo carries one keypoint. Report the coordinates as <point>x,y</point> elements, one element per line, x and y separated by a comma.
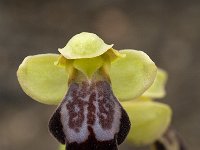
<point>84,45</point>
<point>149,121</point>
<point>61,147</point>
<point>41,79</point>
<point>132,75</point>
<point>157,89</point>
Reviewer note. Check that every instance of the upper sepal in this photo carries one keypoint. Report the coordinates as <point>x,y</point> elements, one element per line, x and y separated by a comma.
<point>84,45</point>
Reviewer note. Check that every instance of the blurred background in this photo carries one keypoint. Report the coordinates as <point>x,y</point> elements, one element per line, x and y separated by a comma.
<point>168,31</point>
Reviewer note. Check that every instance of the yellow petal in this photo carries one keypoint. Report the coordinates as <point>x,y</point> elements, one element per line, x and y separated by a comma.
<point>41,79</point>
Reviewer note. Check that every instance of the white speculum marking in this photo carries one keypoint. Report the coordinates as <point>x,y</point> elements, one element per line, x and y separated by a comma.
<point>90,105</point>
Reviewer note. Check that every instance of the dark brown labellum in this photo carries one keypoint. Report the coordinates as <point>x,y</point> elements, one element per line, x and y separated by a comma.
<point>90,118</point>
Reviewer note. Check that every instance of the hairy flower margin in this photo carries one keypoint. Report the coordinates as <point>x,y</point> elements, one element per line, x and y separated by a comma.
<point>133,75</point>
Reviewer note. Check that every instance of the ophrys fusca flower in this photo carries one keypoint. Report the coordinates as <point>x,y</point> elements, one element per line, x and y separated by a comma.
<point>87,81</point>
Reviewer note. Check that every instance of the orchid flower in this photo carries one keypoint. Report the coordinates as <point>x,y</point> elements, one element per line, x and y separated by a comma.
<point>101,94</point>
